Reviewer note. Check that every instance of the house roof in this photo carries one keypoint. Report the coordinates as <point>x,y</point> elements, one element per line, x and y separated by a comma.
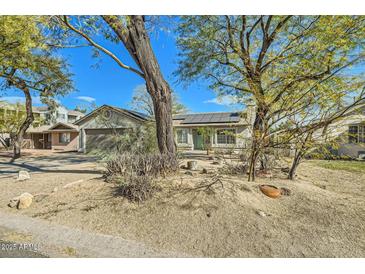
<point>40,129</point>
<point>209,118</point>
<point>131,113</point>
<point>75,113</point>
<point>63,126</point>
<point>59,127</point>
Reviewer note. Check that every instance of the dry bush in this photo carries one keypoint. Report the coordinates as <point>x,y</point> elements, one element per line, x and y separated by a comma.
<point>151,164</point>
<point>136,188</point>
<point>135,174</point>
<point>232,168</point>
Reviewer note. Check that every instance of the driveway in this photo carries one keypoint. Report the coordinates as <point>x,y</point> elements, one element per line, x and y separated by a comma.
<point>37,161</point>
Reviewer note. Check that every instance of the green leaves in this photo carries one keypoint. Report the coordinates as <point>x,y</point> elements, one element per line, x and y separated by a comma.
<point>26,55</point>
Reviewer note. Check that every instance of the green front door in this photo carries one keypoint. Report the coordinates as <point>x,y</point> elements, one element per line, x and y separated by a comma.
<point>198,140</point>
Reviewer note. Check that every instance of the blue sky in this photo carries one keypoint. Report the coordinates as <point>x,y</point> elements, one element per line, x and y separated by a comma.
<point>109,84</point>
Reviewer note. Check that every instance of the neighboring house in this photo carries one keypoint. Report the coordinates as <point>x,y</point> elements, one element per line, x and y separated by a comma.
<point>44,114</point>
<point>60,114</point>
<point>349,132</point>
<point>60,136</point>
<point>50,129</point>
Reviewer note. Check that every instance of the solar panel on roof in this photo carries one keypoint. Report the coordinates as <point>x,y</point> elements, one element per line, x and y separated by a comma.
<point>203,118</point>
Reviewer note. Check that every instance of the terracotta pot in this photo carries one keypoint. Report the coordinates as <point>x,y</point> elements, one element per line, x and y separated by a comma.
<point>270,191</point>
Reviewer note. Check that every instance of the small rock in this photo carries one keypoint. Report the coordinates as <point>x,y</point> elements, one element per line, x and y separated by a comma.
<point>211,158</point>
<point>216,163</point>
<point>323,186</point>
<point>285,191</point>
<point>23,175</point>
<point>209,215</point>
<point>245,188</point>
<point>189,173</point>
<point>261,213</point>
<point>204,171</point>
<point>55,189</point>
<point>14,202</point>
<point>25,200</point>
<point>183,167</point>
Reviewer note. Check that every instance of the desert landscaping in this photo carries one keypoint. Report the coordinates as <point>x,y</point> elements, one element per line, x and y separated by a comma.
<point>202,213</point>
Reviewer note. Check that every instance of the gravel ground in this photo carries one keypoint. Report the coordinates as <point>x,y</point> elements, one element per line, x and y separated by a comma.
<point>323,217</point>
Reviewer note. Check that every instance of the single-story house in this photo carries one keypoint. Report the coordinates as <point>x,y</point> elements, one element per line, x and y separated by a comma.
<point>96,128</point>
<point>228,130</point>
<point>216,130</point>
<point>87,133</point>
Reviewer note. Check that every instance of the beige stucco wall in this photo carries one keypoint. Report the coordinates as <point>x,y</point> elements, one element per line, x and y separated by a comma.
<point>99,123</point>
<point>243,137</point>
<point>71,146</point>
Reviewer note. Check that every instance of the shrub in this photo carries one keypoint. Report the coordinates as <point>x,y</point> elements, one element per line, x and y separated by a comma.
<point>233,168</point>
<point>134,140</point>
<point>130,164</point>
<point>135,174</point>
<point>136,188</point>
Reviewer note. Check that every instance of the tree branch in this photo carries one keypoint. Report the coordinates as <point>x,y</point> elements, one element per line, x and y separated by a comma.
<point>99,47</point>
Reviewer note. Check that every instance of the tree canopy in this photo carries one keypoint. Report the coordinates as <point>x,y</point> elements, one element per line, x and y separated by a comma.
<point>284,63</point>
<point>28,63</point>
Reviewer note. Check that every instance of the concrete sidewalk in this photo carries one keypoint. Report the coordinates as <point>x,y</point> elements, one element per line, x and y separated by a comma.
<point>61,241</point>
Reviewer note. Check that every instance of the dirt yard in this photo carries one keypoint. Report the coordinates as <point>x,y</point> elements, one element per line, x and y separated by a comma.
<point>323,217</point>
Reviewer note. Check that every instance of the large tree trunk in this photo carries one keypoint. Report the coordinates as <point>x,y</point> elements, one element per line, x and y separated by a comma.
<point>137,41</point>
<point>18,137</point>
<point>258,139</point>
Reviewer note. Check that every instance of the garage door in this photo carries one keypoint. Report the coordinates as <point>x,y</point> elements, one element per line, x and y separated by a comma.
<point>101,139</point>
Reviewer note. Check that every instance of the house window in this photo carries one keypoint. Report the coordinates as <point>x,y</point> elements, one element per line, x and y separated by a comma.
<point>71,118</point>
<point>182,136</point>
<point>226,136</point>
<point>357,134</point>
<point>61,116</point>
<point>64,138</point>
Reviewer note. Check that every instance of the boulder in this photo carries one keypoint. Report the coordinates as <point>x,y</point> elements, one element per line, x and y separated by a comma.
<point>23,175</point>
<point>192,165</point>
<point>25,200</point>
